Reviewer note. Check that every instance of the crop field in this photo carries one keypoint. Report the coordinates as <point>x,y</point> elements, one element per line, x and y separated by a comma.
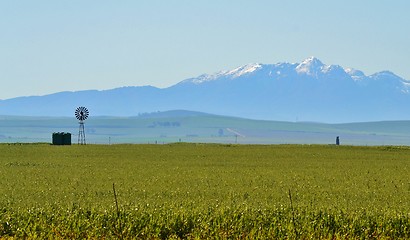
<point>204,191</point>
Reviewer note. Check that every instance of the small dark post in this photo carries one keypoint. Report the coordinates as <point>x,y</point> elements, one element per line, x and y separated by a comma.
<point>337,141</point>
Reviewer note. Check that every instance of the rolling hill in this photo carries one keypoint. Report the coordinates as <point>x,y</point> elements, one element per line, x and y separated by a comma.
<point>186,126</point>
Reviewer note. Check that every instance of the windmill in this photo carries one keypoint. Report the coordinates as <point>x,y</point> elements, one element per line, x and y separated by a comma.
<point>81,113</point>
<point>236,134</point>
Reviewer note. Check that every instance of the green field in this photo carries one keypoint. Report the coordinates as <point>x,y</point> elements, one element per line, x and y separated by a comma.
<point>204,191</point>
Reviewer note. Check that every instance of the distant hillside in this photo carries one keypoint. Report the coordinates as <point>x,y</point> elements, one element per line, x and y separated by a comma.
<point>185,126</point>
<point>307,91</point>
<point>172,113</point>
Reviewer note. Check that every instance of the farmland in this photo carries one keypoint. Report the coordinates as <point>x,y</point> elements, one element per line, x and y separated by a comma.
<point>197,191</point>
<point>185,126</point>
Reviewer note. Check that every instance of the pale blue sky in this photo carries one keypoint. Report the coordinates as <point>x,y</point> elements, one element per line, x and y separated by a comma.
<point>48,46</point>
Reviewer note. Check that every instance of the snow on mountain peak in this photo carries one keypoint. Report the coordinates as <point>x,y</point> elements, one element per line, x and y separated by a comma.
<point>355,74</point>
<point>237,72</point>
<point>310,66</point>
<point>312,60</point>
<point>249,68</point>
<point>332,68</point>
<point>386,74</point>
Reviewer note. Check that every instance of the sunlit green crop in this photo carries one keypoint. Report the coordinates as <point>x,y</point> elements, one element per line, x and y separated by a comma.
<point>200,191</point>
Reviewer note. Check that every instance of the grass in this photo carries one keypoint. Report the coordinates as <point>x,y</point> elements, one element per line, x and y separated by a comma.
<point>199,191</point>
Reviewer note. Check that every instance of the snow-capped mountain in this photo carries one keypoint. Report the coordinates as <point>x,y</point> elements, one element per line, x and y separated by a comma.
<point>235,73</point>
<point>311,68</point>
<point>306,91</point>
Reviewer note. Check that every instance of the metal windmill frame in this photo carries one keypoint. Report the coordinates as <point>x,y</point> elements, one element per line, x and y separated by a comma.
<point>81,113</point>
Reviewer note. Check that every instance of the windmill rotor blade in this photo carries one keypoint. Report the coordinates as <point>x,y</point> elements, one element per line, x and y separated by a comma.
<point>81,113</point>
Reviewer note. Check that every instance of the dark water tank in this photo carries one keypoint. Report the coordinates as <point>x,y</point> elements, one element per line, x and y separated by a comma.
<point>67,138</point>
<point>61,138</point>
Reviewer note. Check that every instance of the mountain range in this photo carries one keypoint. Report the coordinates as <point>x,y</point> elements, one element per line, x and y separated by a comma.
<point>306,91</point>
